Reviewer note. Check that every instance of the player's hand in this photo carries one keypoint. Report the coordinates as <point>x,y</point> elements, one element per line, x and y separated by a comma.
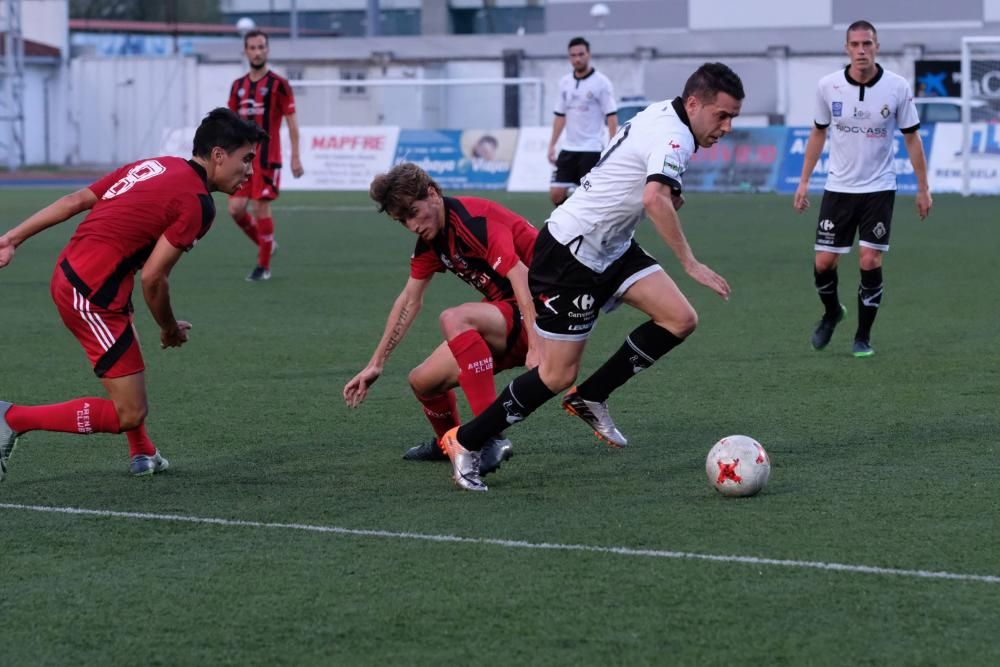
<point>709,278</point>
<point>552,154</point>
<point>356,390</point>
<point>677,201</point>
<point>801,201</point>
<point>175,337</point>
<point>6,251</point>
<point>297,169</point>
<point>924,203</point>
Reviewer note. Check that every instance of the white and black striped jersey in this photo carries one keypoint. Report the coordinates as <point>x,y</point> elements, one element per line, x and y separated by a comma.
<point>863,117</point>
<point>598,221</point>
<point>586,103</point>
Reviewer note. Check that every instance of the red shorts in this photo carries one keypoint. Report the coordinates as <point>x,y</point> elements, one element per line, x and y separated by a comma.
<point>517,338</point>
<point>262,184</point>
<point>108,337</point>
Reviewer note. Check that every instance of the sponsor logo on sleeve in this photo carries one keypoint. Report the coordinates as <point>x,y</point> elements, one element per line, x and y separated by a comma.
<point>838,109</point>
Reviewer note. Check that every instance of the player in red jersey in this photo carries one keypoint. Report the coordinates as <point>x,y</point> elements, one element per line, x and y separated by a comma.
<point>144,215</point>
<point>265,98</point>
<point>487,246</point>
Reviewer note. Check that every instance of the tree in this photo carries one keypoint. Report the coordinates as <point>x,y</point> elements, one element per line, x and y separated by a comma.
<point>169,11</point>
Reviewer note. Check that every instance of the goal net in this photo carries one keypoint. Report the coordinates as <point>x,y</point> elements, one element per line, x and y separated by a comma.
<point>980,146</point>
<point>420,104</point>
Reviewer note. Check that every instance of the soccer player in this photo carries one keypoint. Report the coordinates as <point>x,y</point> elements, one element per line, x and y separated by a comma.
<point>263,97</point>
<point>487,246</point>
<point>586,258</point>
<point>144,215</point>
<point>865,104</point>
<point>586,103</point>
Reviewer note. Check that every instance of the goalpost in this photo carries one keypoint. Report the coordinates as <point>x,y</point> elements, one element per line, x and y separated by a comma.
<point>421,103</point>
<point>980,104</point>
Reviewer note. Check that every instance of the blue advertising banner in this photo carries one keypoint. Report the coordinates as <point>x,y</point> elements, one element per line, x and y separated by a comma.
<point>459,159</point>
<point>794,155</point>
<point>746,160</point>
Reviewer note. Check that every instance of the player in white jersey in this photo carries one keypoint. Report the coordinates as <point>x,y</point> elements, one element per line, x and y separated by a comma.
<point>585,258</point>
<point>586,104</point>
<point>861,106</point>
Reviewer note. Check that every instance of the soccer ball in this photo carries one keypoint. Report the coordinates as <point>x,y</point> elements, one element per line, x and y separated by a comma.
<point>738,466</point>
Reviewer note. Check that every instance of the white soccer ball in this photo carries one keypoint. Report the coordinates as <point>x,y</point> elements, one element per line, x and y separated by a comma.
<point>738,466</point>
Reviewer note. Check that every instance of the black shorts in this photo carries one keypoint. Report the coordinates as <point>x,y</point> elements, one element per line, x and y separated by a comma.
<point>842,214</point>
<point>572,166</point>
<point>568,294</point>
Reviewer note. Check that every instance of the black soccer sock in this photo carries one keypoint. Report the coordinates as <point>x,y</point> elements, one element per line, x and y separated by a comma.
<point>826,286</point>
<point>647,343</point>
<point>869,299</point>
<point>518,400</point>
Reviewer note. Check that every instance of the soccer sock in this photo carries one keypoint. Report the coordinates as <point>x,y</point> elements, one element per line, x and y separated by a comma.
<point>139,442</point>
<point>647,343</point>
<point>475,364</point>
<point>265,240</point>
<point>81,415</point>
<point>826,285</point>
<point>248,226</point>
<point>869,299</point>
<point>441,411</point>
<point>518,400</point>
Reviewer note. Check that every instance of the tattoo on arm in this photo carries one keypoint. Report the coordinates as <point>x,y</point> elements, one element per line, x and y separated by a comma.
<point>397,332</point>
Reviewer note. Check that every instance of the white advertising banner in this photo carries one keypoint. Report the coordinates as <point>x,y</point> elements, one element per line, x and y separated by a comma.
<point>946,158</point>
<point>531,170</point>
<point>333,158</point>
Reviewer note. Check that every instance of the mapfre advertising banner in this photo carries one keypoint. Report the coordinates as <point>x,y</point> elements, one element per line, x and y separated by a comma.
<point>461,159</point>
<point>795,150</point>
<point>946,158</point>
<point>333,158</point>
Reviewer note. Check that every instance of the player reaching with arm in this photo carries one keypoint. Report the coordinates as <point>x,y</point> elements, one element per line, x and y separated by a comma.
<point>487,246</point>
<point>265,98</point>
<point>586,259</point>
<point>143,216</point>
<point>865,104</point>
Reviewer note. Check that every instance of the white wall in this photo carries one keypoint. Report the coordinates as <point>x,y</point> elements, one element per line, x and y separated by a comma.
<point>740,14</point>
<point>46,21</point>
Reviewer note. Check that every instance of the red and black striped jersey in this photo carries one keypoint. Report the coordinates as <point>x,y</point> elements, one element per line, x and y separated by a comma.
<point>480,243</point>
<point>265,102</point>
<point>136,205</point>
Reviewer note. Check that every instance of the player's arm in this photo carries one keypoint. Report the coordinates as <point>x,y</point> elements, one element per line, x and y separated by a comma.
<point>658,198</point>
<point>404,311</point>
<point>518,277</point>
<point>612,124</point>
<point>557,127</point>
<point>293,138</point>
<point>156,291</point>
<point>915,148</point>
<point>814,148</point>
<point>58,211</point>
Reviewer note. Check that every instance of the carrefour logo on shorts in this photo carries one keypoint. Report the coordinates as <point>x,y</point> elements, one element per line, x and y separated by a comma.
<point>838,109</point>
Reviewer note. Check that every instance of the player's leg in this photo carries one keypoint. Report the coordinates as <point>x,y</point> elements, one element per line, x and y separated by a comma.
<point>239,210</point>
<point>474,331</point>
<point>874,228</point>
<point>563,178</point>
<point>835,230</point>
<point>433,383</point>
<point>265,227</point>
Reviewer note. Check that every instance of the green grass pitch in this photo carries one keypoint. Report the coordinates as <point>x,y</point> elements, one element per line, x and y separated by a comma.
<point>889,462</point>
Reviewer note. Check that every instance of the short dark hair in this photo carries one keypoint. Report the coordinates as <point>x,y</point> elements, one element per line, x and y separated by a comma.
<point>401,186</point>
<point>711,79</point>
<point>256,32</point>
<point>861,25</point>
<point>225,129</point>
<point>578,41</point>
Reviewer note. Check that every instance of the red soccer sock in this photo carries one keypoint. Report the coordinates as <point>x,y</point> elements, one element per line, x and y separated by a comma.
<point>475,363</point>
<point>248,226</point>
<point>265,241</point>
<point>139,442</point>
<point>441,411</point>
<point>81,415</point>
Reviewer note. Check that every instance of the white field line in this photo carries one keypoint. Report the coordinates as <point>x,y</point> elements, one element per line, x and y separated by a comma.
<point>334,208</point>
<point>511,544</point>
